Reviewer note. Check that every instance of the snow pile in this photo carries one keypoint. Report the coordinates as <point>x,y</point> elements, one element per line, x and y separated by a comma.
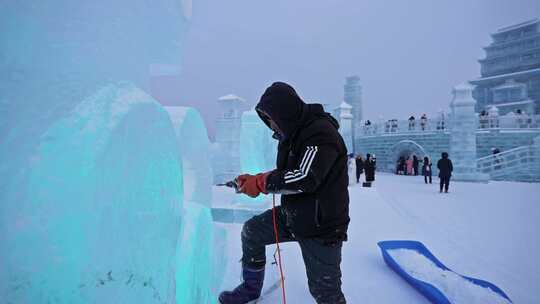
<point>457,289</point>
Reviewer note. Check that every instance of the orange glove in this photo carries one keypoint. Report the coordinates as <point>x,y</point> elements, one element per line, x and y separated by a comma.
<point>252,185</point>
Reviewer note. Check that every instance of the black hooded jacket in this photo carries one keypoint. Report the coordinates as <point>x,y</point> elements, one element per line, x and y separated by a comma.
<point>311,171</point>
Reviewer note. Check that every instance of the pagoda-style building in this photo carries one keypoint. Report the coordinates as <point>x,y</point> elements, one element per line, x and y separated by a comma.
<point>510,72</point>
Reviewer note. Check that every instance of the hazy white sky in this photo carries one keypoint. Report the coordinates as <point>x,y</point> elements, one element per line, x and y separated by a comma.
<point>408,54</point>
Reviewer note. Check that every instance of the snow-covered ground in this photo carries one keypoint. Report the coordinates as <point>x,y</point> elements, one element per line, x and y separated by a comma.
<point>487,231</point>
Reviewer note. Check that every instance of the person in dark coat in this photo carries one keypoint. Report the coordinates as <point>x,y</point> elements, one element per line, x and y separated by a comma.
<point>369,167</point>
<point>445,171</point>
<point>416,163</point>
<point>359,167</point>
<point>402,165</point>
<point>311,176</point>
<point>426,170</point>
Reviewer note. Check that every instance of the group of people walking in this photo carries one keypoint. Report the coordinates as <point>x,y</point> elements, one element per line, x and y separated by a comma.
<point>409,166</point>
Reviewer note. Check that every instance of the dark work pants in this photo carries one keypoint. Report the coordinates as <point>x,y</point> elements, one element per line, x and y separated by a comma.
<point>427,177</point>
<point>445,181</point>
<point>322,260</point>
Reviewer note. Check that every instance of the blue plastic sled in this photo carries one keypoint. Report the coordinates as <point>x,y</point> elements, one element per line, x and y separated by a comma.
<point>429,291</point>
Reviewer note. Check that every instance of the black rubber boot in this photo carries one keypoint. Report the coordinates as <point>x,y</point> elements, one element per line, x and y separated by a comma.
<point>247,291</point>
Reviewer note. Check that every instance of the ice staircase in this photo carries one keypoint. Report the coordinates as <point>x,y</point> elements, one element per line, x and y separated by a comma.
<point>518,164</point>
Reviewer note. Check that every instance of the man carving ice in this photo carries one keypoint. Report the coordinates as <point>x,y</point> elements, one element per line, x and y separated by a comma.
<point>311,176</point>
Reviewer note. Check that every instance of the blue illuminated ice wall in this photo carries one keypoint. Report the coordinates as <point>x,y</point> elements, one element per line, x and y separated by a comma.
<point>201,251</point>
<point>258,152</point>
<point>91,177</point>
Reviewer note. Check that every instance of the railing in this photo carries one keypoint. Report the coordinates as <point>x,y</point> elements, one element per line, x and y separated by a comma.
<point>510,121</point>
<point>394,126</point>
<point>510,162</point>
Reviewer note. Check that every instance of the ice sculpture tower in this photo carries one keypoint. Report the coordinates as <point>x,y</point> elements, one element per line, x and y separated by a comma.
<point>353,96</point>
<point>227,142</point>
<point>345,119</point>
<point>463,135</point>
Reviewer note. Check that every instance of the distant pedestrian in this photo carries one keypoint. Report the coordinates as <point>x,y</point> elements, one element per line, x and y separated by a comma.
<point>423,122</point>
<point>497,160</point>
<point>393,125</point>
<point>411,123</point>
<point>441,123</point>
<point>359,167</point>
<point>367,127</point>
<point>483,118</point>
<point>426,170</point>
<point>409,163</point>
<point>415,164</point>
<point>445,171</point>
<point>402,165</point>
<point>370,166</point>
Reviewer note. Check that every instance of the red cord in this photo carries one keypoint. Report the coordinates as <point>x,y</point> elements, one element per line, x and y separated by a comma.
<point>277,244</point>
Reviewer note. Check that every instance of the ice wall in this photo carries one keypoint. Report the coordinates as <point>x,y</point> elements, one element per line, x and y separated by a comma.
<point>90,179</point>
<point>258,149</point>
<point>95,216</point>
<point>194,147</point>
<point>200,254</point>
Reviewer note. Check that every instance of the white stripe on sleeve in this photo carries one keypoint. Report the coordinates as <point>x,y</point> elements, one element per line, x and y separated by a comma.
<point>298,172</point>
<point>306,168</point>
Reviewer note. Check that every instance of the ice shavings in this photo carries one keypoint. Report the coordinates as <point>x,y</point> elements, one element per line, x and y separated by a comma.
<point>457,289</point>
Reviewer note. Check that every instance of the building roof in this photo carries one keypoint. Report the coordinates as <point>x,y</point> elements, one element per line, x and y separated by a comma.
<point>520,73</point>
<point>231,97</point>
<point>517,26</point>
<point>352,79</point>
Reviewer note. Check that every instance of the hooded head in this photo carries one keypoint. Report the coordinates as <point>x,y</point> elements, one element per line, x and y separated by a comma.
<point>281,109</point>
<point>444,155</point>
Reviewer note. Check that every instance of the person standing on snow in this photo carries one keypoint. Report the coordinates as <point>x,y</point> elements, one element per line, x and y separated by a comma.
<point>445,172</point>
<point>369,167</point>
<point>415,164</point>
<point>426,170</point>
<point>409,163</point>
<point>359,167</point>
<point>311,176</point>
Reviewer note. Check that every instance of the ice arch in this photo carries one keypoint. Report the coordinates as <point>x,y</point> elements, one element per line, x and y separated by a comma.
<point>103,196</point>
<point>404,148</point>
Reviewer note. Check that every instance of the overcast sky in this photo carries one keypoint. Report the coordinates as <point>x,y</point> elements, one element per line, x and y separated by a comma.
<point>408,54</point>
